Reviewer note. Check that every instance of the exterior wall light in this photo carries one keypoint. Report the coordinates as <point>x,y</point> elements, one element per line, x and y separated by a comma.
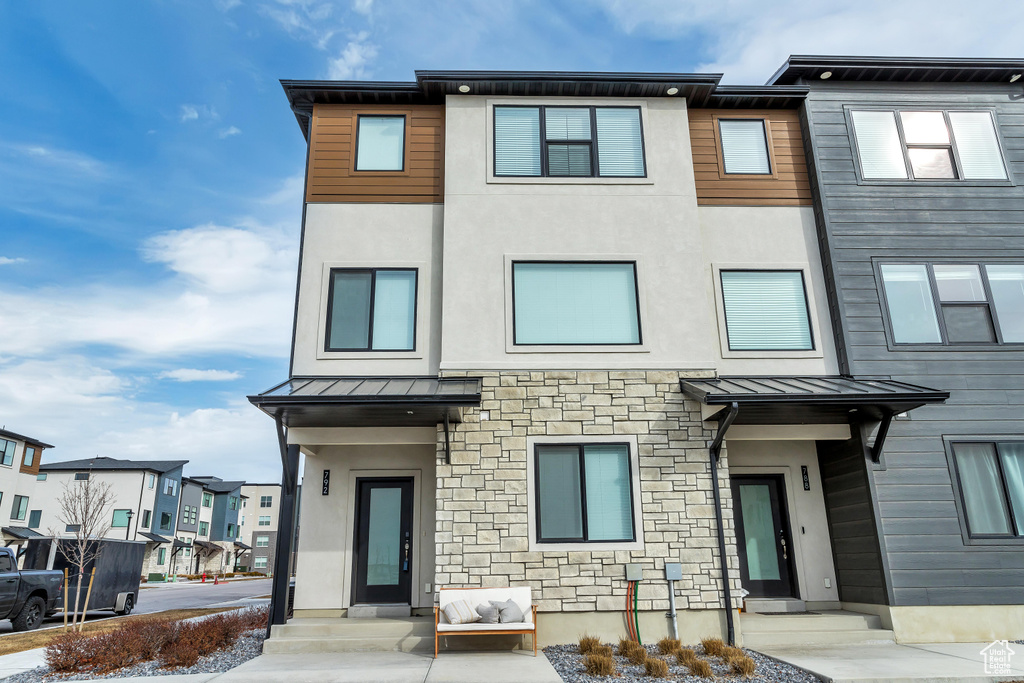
<point>825,75</point>
<point>672,91</point>
<point>1014,78</point>
<point>463,88</point>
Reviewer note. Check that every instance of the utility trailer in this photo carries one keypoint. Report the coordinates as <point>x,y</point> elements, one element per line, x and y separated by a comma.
<point>118,572</point>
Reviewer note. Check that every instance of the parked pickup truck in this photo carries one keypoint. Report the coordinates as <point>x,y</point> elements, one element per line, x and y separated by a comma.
<point>27,596</point>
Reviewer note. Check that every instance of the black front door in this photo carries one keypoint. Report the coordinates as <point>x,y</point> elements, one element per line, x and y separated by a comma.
<point>383,541</point>
<point>762,535</point>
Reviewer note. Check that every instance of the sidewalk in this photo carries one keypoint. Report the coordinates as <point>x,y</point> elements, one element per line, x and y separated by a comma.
<point>892,663</point>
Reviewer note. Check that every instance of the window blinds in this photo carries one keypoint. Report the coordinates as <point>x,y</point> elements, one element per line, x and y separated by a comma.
<point>381,144</point>
<point>911,306</point>
<point>766,310</point>
<point>881,154</point>
<point>350,310</point>
<point>609,504</point>
<point>619,142</point>
<point>394,305</point>
<point>559,493</point>
<point>983,498</point>
<point>1007,285</point>
<point>575,303</point>
<point>744,146</point>
<point>517,141</point>
<point>976,142</point>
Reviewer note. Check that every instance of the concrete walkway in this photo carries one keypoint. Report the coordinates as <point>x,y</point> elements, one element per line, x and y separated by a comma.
<point>892,663</point>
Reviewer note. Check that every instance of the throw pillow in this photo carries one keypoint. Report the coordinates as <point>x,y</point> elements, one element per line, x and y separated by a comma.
<point>488,614</point>
<point>460,612</point>
<point>509,612</point>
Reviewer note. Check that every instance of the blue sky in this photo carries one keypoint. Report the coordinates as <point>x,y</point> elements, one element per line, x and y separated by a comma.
<point>151,174</point>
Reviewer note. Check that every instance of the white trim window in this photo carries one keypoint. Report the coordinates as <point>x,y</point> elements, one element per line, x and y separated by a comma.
<point>263,541</point>
<point>744,146</point>
<point>259,563</point>
<point>766,310</point>
<point>380,142</point>
<point>899,144</point>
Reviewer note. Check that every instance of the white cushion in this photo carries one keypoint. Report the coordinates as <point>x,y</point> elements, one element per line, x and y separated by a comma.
<point>460,612</point>
<point>475,596</point>
<point>477,626</point>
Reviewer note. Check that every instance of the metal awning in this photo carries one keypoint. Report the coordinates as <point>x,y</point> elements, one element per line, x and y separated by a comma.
<point>206,545</point>
<point>811,400</point>
<point>242,546</point>
<point>22,532</point>
<point>153,537</point>
<point>369,401</point>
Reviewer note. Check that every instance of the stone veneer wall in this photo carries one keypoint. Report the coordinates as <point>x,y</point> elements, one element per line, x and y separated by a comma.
<point>482,516</point>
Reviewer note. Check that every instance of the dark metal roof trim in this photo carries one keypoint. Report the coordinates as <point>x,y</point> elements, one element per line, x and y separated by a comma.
<point>898,69</point>
<point>154,537</point>
<point>20,437</point>
<point>758,96</point>
<point>807,390</point>
<point>367,390</point>
<point>106,464</point>
<point>22,532</point>
<point>239,544</point>
<point>206,545</point>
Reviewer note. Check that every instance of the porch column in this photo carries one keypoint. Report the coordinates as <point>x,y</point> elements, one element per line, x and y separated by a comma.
<point>285,531</point>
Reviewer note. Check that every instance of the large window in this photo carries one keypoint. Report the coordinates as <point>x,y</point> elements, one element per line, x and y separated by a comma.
<point>266,501</point>
<point>120,520</point>
<point>7,452</point>
<point>584,493</point>
<point>766,310</point>
<point>264,520</point>
<point>232,502</point>
<point>231,532</point>
<point>380,143</point>
<point>165,521</point>
<point>954,303</point>
<point>35,519</point>
<point>575,303</point>
<point>371,309</point>
<point>20,507</point>
<point>564,142</point>
<point>259,563</point>
<point>29,458</point>
<point>170,487</point>
<point>991,476</point>
<point>744,146</point>
<point>927,145</point>
<point>262,541</point>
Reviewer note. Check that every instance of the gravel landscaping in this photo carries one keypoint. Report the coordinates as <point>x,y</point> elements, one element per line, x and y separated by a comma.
<point>569,665</point>
<point>248,646</point>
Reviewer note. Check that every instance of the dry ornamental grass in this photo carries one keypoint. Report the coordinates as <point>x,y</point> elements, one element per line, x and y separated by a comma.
<point>667,646</point>
<point>656,668</point>
<point>700,668</point>
<point>587,644</point>
<point>686,656</point>
<point>714,647</point>
<point>627,646</point>
<point>637,655</point>
<point>599,665</point>
<point>730,653</point>
<point>744,666</point>
<point>603,650</point>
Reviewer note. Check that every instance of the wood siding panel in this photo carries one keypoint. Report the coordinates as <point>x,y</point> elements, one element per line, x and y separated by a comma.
<point>788,186</point>
<point>332,178</point>
<point>929,561</point>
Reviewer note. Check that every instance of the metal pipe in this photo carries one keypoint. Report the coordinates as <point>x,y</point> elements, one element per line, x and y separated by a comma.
<point>716,448</point>
<point>672,607</point>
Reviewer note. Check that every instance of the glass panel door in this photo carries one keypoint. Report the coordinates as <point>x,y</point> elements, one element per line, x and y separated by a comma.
<point>383,548</point>
<point>762,536</point>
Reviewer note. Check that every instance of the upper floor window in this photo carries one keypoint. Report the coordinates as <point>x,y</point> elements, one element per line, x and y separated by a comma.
<point>991,477</point>
<point>584,493</point>
<point>207,499</point>
<point>170,486</point>
<point>371,309</point>
<point>604,142</point>
<point>263,541</point>
<point>380,143</point>
<point>165,521</point>
<point>35,518</point>
<point>204,528</point>
<point>266,501</point>
<point>766,310</point>
<point>581,303</point>
<point>41,476</point>
<point>927,145</point>
<point>954,303</point>
<point>20,507</point>
<point>7,452</point>
<point>81,476</point>
<point>232,502</point>
<point>147,516</point>
<point>29,458</point>
<point>120,519</point>
<point>152,481</point>
<point>744,146</point>
<point>264,520</point>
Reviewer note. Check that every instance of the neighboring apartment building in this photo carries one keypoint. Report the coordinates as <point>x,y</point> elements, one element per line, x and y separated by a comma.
<point>258,526</point>
<point>144,505</point>
<point>917,166</point>
<point>20,457</point>
<point>219,551</point>
<point>628,271</point>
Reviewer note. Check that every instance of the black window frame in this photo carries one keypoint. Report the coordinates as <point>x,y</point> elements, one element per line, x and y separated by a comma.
<point>147,518</point>
<point>72,528</point>
<point>1013,537</point>
<point>170,521</point>
<point>266,501</point>
<point>937,304</point>
<point>81,476</point>
<point>29,449</point>
<point>636,294</point>
<point>19,512</point>
<point>204,530</point>
<point>595,165</point>
<point>35,519</point>
<point>373,296</point>
<point>581,447</point>
<point>807,309</point>
<point>3,452</point>
<point>954,150</point>
<point>113,516</point>
<point>355,147</point>
<point>772,171</point>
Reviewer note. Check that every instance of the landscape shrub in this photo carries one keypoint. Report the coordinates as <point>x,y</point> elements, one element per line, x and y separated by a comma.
<point>744,666</point>
<point>68,652</point>
<point>667,646</point>
<point>686,656</point>
<point>602,650</point>
<point>599,665</point>
<point>700,668</point>
<point>656,668</point>
<point>587,644</point>
<point>730,653</point>
<point>627,647</point>
<point>637,655</point>
<point>714,647</point>
<point>113,650</point>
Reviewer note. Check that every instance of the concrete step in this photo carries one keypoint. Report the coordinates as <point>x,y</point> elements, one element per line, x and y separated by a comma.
<point>344,627</point>
<point>823,621</point>
<point>379,611</point>
<point>774,605</point>
<point>319,644</point>
<point>785,639</point>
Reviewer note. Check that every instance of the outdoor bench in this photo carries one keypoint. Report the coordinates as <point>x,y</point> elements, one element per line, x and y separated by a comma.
<point>476,596</point>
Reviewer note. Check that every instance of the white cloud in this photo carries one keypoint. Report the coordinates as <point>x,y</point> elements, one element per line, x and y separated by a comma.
<point>189,113</point>
<point>363,6</point>
<point>353,61</point>
<point>194,112</point>
<point>749,39</point>
<point>50,158</point>
<point>226,5</point>
<point>6,260</point>
<point>193,375</point>
<point>228,132</point>
<point>303,19</point>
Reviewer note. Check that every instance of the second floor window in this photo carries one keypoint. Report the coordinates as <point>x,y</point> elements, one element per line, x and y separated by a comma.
<point>30,456</point>
<point>954,303</point>
<point>232,502</point>
<point>120,520</point>
<point>147,517</point>
<point>766,310</point>
<point>575,303</point>
<point>35,518</point>
<point>262,541</point>
<point>604,142</point>
<point>371,309</point>
<point>7,452</point>
<point>380,143</point>
<point>20,507</point>
<point>744,146</point>
<point>204,528</point>
<point>991,477</point>
<point>170,487</point>
<point>264,520</point>
<point>927,145</point>
<point>165,521</point>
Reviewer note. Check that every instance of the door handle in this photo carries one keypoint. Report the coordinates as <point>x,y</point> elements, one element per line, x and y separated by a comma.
<point>782,539</point>
<point>405,564</point>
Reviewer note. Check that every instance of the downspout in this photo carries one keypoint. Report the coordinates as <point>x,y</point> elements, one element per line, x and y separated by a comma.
<point>715,451</point>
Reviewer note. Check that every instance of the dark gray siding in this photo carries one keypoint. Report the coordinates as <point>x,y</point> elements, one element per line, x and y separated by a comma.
<point>191,495</point>
<point>268,552</point>
<point>166,503</point>
<point>929,561</point>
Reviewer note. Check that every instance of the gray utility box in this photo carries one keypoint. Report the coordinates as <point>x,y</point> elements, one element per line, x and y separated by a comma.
<point>634,572</point>
<point>673,571</point>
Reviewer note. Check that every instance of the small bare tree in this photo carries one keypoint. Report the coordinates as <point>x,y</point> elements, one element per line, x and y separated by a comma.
<point>83,508</point>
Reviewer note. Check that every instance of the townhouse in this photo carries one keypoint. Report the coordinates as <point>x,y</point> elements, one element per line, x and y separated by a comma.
<point>575,331</point>
<point>258,526</point>
<point>20,457</point>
